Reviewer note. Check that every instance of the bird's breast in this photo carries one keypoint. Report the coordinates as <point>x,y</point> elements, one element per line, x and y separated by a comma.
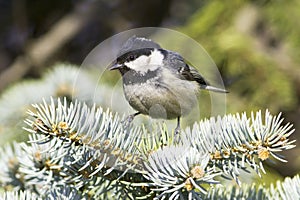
<point>160,99</point>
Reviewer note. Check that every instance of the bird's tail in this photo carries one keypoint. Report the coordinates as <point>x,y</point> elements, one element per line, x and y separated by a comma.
<point>214,89</point>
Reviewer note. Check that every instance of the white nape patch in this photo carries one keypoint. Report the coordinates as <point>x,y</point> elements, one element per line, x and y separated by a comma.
<point>144,39</point>
<point>145,63</point>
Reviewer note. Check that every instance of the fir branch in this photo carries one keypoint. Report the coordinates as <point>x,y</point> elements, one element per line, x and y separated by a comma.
<point>179,172</point>
<point>236,141</point>
<point>69,81</point>
<point>66,192</point>
<point>289,188</point>
<point>106,145</point>
<point>243,192</point>
<point>20,195</point>
<point>42,164</point>
<point>64,80</point>
<point>11,178</point>
<point>136,163</point>
<point>155,139</point>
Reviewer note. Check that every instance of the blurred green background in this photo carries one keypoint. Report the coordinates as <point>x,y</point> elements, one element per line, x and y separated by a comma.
<point>255,44</point>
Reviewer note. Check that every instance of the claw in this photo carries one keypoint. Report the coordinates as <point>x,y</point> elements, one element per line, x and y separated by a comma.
<point>177,130</point>
<point>126,122</point>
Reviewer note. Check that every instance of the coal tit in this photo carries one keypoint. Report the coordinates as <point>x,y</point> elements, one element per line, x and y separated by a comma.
<point>158,82</point>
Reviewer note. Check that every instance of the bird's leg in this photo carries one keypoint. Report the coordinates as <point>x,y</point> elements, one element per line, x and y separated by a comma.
<point>177,129</point>
<point>129,119</point>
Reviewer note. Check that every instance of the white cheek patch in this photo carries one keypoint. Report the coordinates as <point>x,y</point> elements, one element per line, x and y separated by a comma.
<point>145,63</point>
<point>139,64</point>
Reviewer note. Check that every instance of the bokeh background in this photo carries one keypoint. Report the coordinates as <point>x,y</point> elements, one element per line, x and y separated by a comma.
<point>254,43</point>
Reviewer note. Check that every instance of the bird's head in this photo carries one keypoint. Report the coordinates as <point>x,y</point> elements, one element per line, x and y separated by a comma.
<point>138,54</point>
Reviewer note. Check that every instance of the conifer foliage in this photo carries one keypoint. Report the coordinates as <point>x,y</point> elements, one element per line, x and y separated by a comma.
<point>78,151</point>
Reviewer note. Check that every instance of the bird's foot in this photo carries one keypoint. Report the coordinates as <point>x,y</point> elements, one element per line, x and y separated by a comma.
<point>128,120</point>
<point>177,130</point>
<point>177,135</point>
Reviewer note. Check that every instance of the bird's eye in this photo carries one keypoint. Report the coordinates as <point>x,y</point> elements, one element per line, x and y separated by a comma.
<point>131,57</point>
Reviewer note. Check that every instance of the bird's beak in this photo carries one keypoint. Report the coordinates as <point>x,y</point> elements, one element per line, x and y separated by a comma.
<point>114,65</point>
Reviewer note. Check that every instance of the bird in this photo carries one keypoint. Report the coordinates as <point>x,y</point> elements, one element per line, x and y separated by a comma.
<point>158,82</point>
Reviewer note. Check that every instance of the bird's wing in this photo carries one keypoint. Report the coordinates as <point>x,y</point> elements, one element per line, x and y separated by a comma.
<point>185,71</point>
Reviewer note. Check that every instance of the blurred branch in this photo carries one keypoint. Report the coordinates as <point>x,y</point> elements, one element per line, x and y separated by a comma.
<point>251,22</point>
<point>266,41</point>
<point>43,48</point>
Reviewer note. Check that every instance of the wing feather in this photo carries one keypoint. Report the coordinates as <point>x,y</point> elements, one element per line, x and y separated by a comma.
<point>178,65</point>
